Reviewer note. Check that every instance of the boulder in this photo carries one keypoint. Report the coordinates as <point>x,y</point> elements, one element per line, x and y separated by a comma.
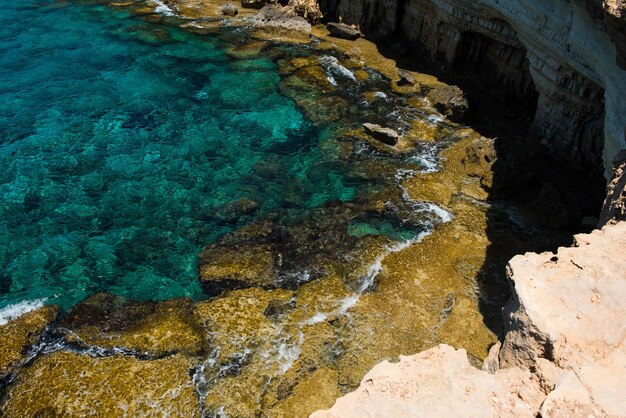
<point>449,101</point>
<point>229,10</point>
<point>406,78</point>
<point>308,9</point>
<point>439,382</point>
<point>343,31</point>
<point>280,21</point>
<point>385,135</point>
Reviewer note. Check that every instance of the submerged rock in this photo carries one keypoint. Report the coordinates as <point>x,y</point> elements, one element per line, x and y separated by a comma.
<point>68,384</point>
<point>343,31</point>
<point>20,334</point>
<point>386,135</point>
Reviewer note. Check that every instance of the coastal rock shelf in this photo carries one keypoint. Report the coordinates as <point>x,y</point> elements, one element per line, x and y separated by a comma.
<point>240,214</point>
<point>564,353</point>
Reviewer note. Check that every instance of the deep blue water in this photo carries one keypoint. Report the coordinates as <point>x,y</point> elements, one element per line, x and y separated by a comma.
<point>122,145</point>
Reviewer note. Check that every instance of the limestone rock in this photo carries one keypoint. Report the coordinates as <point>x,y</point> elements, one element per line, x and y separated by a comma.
<point>343,31</point>
<point>439,382</point>
<point>229,10</point>
<point>568,308</point>
<point>614,209</point>
<point>449,101</point>
<point>277,20</point>
<point>581,112</point>
<point>406,78</point>
<point>385,135</point>
<point>68,384</point>
<point>20,334</point>
<point>308,9</point>
<point>153,328</point>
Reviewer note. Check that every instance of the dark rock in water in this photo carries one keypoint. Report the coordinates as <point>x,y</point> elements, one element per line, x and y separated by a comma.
<point>234,210</point>
<point>229,10</point>
<point>343,31</point>
<point>406,78</point>
<point>385,135</point>
<point>450,102</point>
<point>280,19</point>
<point>253,4</point>
<point>550,209</point>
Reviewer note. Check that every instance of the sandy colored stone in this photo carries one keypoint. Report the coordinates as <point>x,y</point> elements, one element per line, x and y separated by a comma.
<point>568,308</point>
<point>19,334</point>
<point>67,384</point>
<point>438,382</point>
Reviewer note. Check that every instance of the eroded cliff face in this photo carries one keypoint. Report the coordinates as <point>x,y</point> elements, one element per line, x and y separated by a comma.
<point>568,52</point>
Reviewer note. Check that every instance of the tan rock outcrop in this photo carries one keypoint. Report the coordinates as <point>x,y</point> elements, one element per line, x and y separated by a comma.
<point>20,334</point>
<point>68,384</point>
<point>439,382</point>
<point>564,353</point>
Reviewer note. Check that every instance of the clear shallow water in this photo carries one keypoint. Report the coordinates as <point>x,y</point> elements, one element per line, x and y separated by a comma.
<point>127,147</point>
<point>121,143</point>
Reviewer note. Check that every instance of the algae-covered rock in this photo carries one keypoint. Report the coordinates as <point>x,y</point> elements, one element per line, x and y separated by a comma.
<point>68,384</point>
<point>19,334</point>
<point>155,328</point>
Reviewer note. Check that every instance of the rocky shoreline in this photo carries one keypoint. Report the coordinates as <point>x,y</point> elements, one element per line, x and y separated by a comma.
<point>562,356</point>
<point>542,365</point>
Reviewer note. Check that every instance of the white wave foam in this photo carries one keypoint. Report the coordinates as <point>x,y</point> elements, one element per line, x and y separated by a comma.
<point>10,312</point>
<point>332,67</point>
<point>162,9</point>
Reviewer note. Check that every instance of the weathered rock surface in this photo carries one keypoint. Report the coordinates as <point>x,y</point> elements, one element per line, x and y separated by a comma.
<point>614,209</point>
<point>385,135</point>
<point>229,10</point>
<point>569,308</point>
<point>439,382</point>
<point>19,334</point>
<point>281,21</point>
<point>449,101</point>
<point>343,31</point>
<point>152,328</point>
<point>564,353</point>
<point>68,384</point>
<point>554,47</point>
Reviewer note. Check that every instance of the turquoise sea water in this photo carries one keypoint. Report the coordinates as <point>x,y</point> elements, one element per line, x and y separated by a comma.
<point>125,146</point>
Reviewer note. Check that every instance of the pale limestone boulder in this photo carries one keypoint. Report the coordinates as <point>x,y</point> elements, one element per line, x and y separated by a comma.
<point>439,382</point>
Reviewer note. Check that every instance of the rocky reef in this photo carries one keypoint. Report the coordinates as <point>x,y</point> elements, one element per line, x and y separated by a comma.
<point>563,354</point>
